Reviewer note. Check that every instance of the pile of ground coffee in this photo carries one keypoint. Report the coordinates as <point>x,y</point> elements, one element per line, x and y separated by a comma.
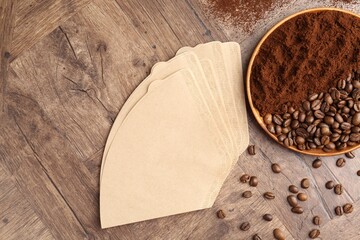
<point>309,53</point>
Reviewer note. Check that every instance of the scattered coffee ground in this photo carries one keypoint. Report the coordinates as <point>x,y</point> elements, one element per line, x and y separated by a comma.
<point>309,53</point>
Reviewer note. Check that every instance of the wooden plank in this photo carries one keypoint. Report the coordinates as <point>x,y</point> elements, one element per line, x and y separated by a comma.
<point>7,16</point>
<point>36,19</point>
<point>17,218</point>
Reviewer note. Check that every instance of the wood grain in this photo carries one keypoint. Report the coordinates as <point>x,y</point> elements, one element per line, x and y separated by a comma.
<point>64,90</point>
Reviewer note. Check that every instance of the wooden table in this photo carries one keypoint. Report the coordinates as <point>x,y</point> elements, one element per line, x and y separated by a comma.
<point>66,69</point>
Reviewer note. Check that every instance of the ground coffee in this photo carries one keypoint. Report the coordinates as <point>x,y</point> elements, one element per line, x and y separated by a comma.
<point>308,53</point>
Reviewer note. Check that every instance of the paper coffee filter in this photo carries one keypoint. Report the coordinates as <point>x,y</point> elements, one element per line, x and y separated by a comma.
<point>165,156</point>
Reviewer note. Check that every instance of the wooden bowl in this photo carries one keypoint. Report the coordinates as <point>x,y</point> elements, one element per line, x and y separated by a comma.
<point>259,119</point>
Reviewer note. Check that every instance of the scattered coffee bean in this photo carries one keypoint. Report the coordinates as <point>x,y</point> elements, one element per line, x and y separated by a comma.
<point>316,220</point>
<point>338,189</point>
<point>245,226</point>
<point>269,195</point>
<point>268,217</point>
<point>251,150</point>
<point>349,155</point>
<point>220,214</point>
<point>317,163</point>
<point>358,173</point>
<point>297,210</point>
<point>340,162</point>
<point>302,197</point>
<point>348,208</point>
<point>268,118</point>
<point>314,233</point>
<point>256,237</point>
<point>245,178</point>
<point>247,194</point>
<point>338,211</point>
<point>278,234</point>
<point>305,183</point>
<point>292,200</point>
<point>275,168</point>
<point>329,184</point>
<point>294,189</point>
<point>253,181</point>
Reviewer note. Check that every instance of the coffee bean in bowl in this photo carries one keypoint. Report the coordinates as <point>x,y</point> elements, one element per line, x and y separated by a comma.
<point>304,96</point>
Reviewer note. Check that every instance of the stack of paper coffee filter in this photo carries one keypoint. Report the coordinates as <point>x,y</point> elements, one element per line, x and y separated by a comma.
<point>176,138</point>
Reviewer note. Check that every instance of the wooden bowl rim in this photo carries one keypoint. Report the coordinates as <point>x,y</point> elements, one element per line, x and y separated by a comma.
<point>259,119</point>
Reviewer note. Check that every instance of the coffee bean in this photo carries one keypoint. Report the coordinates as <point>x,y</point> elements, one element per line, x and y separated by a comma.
<point>281,137</point>
<point>329,184</point>
<point>220,214</point>
<point>316,104</point>
<point>288,142</point>
<point>287,123</point>
<point>356,119</point>
<point>245,226</point>
<point>278,234</point>
<point>338,118</point>
<point>317,163</point>
<point>291,110</point>
<point>295,115</point>
<point>247,194</point>
<point>314,233</point>
<point>271,128</point>
<point>253,181</point>
<point>251,150</point>
<point>267,118</point>
<point>297,210</point>
<point>319,114</point>
<point>349,155</point>
<point>277,119</point>
<point>302,117</point>
<point>294,189</point>
<point>305,183</point>
<point>358,173</point>
<point>292,200</point>
<point>256,237</point>
<point>316,220</point>
<point>311,129</point>
<point>328,99</point>
<point>275,168</point>
<point>299,140</point>
<point>278,129</point>
<point>338,189</point>
<point>339,211</point>
<point>330,146</point>
<point>309,119</point>
<point>313,97</point>
<point>340,162</point>
<point>345,126</point>
<point>355,137</point>
<point>325,131</point>
<point>306,105</point>
<point>302,132</point>
<point>245,178</point>
<point>302,197</point>
<point>268,217</point>
<point>269,195</point>
<point>341,84</point>
<point>348,208</point>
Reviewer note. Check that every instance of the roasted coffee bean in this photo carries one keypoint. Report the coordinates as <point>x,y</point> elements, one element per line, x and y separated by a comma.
<point>348,208</point>
<point>286,130</point>
<point>294,124</point>
<point>287,123</point>
<point>329,184</point>
<point>341,84</point>
<point>295,115</point>
<point>356,83</point>
<point>355,129</point>
<point>355,137</point>
<point>245,178</point>
<point>278,129</point>
<point>247,194</point>
<point>325,140</point>
<point>299,140</point>
<point>278,234</point>
<point>312,145</point>
<point>306,105</point>
<point>286,116</point>
<point>338,189</point>
<point>356,119</point>
<point>275,168</point>
<point>253,181</point>
<point>356,106</point>
<point>291,110</point>
<point>269,195</point>
<point>345,110</point>
<point>325,107</point>
<point>281,137</point>
<point>256,237</point>
<point>251,150</point>
<point>302,117</point>
<point>220,214</point>
<point>325,131</point>
<point>288,142</point>
<point>321,96</point>
<point>267,118</point>
<point>334,137</point>
<point>316,220</point>
<point>341,104</point>
<point>350,103</point>
<point>317,141</point>
<point>309,119</point>
<point>339,211</point>
<point>338,118</point>
<point>245,226</point>
<point>277,119</point>
<point>330,146</point>
<point>271,128</point>
<point>301,147</point>
<point>349,87</point>
<point>329,120</point>
<point>314,233</point>
<point>268,217</point>
<point>349,155</point>
<point>328,99</point>
<point>317,163</point>
<point>302,197</point>
<point>313,97</point>
<point>297,210</point>
<point>340,162</point>
<point>311,129</point>
<point>342,146</point>
<point>292,200</point>
<point>316,104</point>
<point>319,114</point>
<point>294,189</point>
<point>344,138</point>
<point>302,132</point>
<point>345,125</point>
<point>305,183</point>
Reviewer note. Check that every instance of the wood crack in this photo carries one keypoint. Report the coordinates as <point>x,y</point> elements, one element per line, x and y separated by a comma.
<point>68,40</point>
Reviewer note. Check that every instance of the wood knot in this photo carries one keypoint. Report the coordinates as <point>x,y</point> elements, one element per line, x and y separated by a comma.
<point>101,47</point>
<point>7,54</point>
